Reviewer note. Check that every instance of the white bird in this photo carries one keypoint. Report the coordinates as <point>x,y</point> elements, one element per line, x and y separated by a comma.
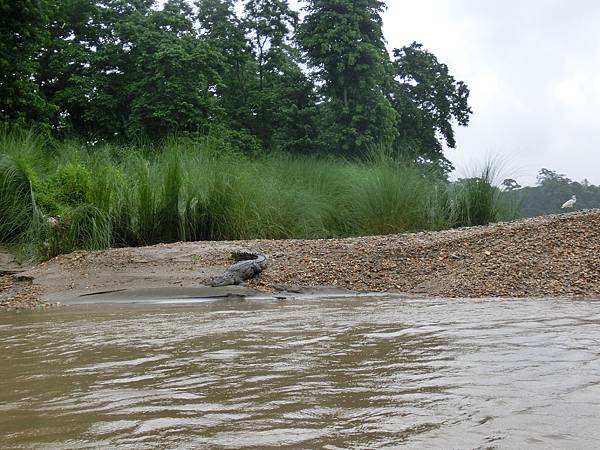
<point>569,203</point>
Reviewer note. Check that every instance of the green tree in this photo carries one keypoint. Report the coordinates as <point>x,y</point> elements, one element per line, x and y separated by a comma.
<point>119,68</point>
<point>428,101</point>
<point>284,98</point>
<point>546,177</point>
<point>68,73</point>
<point>510,184</point>
<point>224,31</point>
<point>290,106</point>
<point>268,24</point>
<point>344,43</point>
<point>22,35</point>
<point>175,79</point>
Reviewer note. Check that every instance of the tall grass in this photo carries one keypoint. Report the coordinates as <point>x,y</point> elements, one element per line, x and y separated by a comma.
<point>16,203</point>
<point>390,198</point>
<point>477,199</point>
<point>129,196</point>
<point>19,159</point>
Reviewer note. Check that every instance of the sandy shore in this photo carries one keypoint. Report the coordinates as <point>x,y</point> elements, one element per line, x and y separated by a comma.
<point>548,256</point>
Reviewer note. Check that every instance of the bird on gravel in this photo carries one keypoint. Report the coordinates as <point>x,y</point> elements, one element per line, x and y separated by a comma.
<point>569,203</point>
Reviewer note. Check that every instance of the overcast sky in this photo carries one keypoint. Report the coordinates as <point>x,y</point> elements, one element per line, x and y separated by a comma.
<point>533,68</point>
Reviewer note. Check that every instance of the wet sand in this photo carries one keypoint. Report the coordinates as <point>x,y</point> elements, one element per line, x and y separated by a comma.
<point>548,256</point>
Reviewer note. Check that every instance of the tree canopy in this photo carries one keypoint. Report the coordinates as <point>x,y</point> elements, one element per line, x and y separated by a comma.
<point>22,37</point>
<point>428,101</point>
<point>345,46</point>
<point>249,70</point>
<point>550,192</point>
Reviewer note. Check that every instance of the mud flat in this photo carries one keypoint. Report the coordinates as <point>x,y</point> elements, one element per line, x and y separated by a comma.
<point>547,256</point>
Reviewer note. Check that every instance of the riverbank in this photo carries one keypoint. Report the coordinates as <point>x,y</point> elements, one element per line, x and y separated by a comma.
<point>547,256</point>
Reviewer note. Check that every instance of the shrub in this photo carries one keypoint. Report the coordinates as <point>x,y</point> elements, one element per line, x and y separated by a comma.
<point>16,200</point>
<point>478,201</point>
<point>70,184</point>
<point>208,189</point>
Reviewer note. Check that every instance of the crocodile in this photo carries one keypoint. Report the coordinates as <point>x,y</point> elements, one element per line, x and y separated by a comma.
<point>248,265</point>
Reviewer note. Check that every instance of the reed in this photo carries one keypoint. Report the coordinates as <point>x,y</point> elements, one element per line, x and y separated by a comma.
<point>477,200</point>
<point>62,197</point>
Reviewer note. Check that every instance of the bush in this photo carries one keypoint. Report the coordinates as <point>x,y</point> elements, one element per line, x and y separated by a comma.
<point>208,190</point>
<point>84,227</point>
<point>478,201</point>
<point>70,184</point>
<point>16,201</point>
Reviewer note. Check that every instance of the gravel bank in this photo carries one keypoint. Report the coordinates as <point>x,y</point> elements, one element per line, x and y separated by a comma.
<point>16,292</point>
<point>554,256</point>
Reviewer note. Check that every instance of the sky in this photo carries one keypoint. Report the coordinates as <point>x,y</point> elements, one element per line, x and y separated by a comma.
<point>533,69</point>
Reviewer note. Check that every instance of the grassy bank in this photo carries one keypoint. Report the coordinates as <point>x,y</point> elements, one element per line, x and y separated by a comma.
<point>107,196</point>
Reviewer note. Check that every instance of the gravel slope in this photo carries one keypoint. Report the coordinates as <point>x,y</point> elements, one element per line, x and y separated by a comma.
<point>556,255</point>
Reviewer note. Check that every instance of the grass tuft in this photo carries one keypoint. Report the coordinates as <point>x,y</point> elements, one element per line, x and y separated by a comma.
<point>55,199</point>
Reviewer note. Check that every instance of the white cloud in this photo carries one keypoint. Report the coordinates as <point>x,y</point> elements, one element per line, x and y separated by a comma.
<point>570,93</point>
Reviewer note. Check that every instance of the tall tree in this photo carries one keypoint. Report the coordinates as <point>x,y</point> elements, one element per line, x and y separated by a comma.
<point>344,43</point>
<point>175,81</point>
<point>268,23</point>
<point>223,30</point>
<point>119,68</point>
<point>428,101</point>
<point>284,99</point>
<point>22,35</point>
<point>68,72</point>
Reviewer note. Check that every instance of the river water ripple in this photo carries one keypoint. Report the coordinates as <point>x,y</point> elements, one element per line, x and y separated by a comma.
<point>335,374</point>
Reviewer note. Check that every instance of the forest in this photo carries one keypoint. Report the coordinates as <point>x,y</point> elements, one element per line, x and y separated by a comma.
<point>133,122</point>
<point>250,72</point>
<point>549,193</point>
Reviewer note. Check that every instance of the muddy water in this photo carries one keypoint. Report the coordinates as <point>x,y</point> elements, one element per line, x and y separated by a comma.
<point>356,373</point>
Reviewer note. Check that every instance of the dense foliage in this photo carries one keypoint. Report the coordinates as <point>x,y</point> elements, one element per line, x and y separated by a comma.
<point>248,70</point>
<point>550,192</point>
<point>159,121</point>
<point>344,43</point>
<point>54,200</point>
<point>22,37</point>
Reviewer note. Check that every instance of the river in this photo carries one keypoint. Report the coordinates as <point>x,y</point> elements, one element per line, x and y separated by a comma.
<point>336,374</point>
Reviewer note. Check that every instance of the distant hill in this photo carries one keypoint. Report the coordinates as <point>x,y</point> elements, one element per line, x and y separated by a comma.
<point>551,191</point>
